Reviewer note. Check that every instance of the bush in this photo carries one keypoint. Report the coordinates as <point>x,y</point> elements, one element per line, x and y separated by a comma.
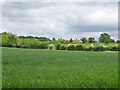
<point>71,47</point>
<point>13,45</point>
<point>119,48</point>
<point>88,48</point>
<point>63,47</point>
<point>36,46</point>
<point>43,46</point>
<point>23,46</point>
<point>79,47</point>
<point>98,48</point>
<point>114,48</point>
<point>58,46</point>
<point>17,46</point>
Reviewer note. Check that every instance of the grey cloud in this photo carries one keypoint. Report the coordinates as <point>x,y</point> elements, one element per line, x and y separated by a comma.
<point>60,19</point>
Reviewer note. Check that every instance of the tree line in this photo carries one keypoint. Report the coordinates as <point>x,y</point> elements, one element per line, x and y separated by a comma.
<point>11,40</point>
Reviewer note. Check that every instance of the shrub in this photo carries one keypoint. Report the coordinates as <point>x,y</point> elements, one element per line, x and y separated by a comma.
<point>98,48</point>
<point>114,48</point>
<point>17,46</point>
<point>13,45</point>
<point>71,47</point>
<point>79,47</point>
<point>105,48</point>
<point>119,48</point>
<point>88,48</point>
<point>58,46</point>
<point>43,46</point>
<point>63,47</point>
<point>23,46</point>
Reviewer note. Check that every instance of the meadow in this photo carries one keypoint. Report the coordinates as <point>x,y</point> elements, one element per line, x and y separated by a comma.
<point>36,68</point>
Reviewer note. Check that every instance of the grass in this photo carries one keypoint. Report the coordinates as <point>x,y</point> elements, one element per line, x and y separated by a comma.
<point>34,68</point>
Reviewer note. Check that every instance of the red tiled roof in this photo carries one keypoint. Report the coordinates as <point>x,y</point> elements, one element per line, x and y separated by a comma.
<point>75,41</point>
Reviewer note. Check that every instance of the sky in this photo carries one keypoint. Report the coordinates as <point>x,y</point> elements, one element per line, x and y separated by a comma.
<point>61,19</point>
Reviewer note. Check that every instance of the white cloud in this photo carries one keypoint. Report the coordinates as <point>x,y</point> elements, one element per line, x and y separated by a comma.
<point>65,20</point>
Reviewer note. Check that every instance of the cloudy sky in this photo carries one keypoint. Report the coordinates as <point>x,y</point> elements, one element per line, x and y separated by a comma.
<point>61,19</point>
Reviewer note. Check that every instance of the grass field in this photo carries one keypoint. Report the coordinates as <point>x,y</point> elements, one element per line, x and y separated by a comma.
<point>30,68</point>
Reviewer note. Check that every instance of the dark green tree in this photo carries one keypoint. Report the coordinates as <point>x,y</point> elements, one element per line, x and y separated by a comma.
<point>112,41</point>
<point>61,40</point>
<point>104,38</point>
<point>84,40</point>
<point>118,41</point>
<point>71,40</point>
<point>91,40</point>
<point>53,39</point>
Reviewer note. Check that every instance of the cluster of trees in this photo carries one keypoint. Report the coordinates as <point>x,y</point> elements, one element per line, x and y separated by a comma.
<point>10,40</point>
<point>104,38</point>
<point>39,38</point>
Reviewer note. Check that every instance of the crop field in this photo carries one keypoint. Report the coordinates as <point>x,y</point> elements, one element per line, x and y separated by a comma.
<point>36,68</point>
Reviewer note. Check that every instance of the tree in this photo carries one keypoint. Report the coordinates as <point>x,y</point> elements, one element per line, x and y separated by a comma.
<point>53,39</point>
<point>112,41</point>
<point>104,38</point>
<point>84,40</point>
<point>71,40</point>
<point>118,41</point>
<point>91,40</point>
<point>39,38</point>
<point>8,40</point>
<point>61,40</point>
<point>12,40</point>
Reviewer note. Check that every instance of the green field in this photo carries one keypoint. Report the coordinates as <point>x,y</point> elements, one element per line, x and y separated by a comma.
<point>35,68</point>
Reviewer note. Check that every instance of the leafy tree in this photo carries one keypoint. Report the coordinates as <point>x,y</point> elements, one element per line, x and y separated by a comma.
<point>71,40</point>
<point>91,40</point>
<point>22,37</point>
<point>29,37</point>
<point>104,38</point>
<point>71,47</point>
<point>57,45</point>
<point>9,40</point>
<point>12,40</point>
<point>118,41</point>
<point>63,47</point>
<point>79,47</point>
<point>53,39</point>
<point>61,40</point>
<point>43,39</point>
<point>84,40</point>
<point>39,38</point>
<point>112,41</point>
<point>67,41</point>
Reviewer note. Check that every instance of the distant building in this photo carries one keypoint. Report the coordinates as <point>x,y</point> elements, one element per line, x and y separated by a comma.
<point>52,46</point>
<point>74,41</point>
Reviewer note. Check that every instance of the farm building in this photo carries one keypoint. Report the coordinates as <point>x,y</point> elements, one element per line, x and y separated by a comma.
<point>75,41</point>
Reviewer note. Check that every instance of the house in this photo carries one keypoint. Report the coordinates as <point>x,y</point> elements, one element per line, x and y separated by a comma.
<point>75,41</point>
